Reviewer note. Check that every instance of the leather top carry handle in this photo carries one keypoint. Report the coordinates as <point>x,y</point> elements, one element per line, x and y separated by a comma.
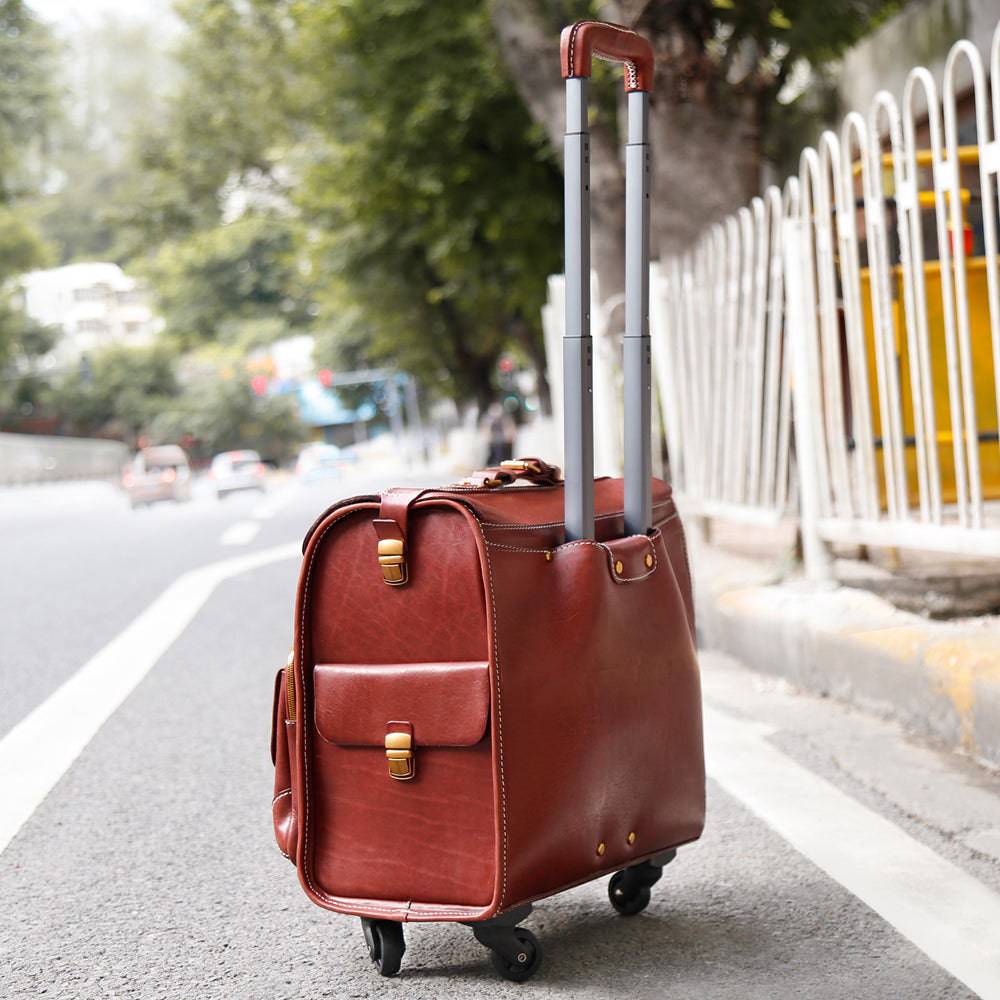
<point>579,42</point>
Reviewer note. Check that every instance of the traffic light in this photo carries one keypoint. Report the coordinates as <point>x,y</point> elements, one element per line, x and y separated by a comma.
<point>259,384</point>
<point>325,378</point>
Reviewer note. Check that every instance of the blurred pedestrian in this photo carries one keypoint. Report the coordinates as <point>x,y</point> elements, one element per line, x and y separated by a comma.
<point>500,432</point>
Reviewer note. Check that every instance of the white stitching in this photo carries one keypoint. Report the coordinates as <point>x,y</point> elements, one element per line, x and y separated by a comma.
<point>630,66</point>
<point>587,541</point>
<point>513,548</point>
<point>503,783</point>
<point>650,572</point>
<point>280,795</point>
<point>517,548</point>
<point>500,526</point>
<point>496,660</point>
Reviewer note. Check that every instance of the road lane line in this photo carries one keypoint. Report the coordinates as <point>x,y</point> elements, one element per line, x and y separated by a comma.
<point>272,503</point>
<point>240,533</point>
<point>36,753</point>
<point>949,915</point>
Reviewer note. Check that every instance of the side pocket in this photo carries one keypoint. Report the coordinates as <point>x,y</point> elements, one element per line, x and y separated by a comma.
<point>282,750</point>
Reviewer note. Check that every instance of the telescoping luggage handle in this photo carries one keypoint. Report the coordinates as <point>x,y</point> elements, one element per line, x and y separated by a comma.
<point>580,42</point>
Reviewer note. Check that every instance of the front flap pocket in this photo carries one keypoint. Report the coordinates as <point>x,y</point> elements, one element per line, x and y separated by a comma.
<point>441,704</point>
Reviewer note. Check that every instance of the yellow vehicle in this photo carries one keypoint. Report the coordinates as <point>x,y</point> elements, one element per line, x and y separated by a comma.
<point>981,350</point>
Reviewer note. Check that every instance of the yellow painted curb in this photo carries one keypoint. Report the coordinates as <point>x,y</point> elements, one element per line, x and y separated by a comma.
<point>957,665</point>
<point>901,642</point>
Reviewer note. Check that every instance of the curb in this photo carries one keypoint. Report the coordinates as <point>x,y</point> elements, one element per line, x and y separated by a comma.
<point>940,680</point>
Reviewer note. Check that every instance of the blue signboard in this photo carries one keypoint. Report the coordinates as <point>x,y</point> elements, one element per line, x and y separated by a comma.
<point>322,407</point>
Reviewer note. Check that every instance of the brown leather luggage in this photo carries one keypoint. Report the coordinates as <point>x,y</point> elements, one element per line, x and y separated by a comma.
<point>493,694</point>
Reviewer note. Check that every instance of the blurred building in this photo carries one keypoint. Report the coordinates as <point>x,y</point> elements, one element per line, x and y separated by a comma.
<point>92,304</point>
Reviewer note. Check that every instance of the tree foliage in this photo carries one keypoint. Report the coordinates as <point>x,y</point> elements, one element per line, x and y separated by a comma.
<point>223,130</point>
<point>216,414</point>
<point>213,283</point>
<point>435,202</point>
<point>381,174</point>
<point>714,118</point>
<point>28,98</point>
<point>28,106</point>
<point>117,392</point>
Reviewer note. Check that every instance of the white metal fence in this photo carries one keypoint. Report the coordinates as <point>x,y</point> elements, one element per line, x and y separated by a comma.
<point>864,301</point>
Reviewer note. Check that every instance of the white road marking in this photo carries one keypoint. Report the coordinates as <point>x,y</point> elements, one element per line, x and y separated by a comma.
<point>240,533</point>
<point>272,503</point>
<point>36,753</point>
<point>945,912</point>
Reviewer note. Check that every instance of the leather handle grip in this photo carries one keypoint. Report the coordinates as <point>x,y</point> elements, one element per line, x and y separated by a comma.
<point>582,41</point>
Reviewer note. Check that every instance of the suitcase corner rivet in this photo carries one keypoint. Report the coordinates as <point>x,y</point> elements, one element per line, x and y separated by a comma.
<point>631,837</point>
<point>619,567</point>
<point>601,848</point>
<point>548,556</point>
<point>649,560</point>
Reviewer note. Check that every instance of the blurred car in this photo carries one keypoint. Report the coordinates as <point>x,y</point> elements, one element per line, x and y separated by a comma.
<point>233,471</point>
<point>158,473</point>
<point>321,461</point>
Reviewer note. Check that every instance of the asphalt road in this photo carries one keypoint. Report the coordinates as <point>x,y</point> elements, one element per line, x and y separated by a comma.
<point>840,860</point>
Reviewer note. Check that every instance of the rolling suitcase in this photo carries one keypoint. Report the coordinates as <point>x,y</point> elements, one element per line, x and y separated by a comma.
<point>493,693</point>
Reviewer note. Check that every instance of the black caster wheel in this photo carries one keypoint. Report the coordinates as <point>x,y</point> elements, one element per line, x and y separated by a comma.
<point>626,897</point>
<point>385,944</point>
<point>520,965</point>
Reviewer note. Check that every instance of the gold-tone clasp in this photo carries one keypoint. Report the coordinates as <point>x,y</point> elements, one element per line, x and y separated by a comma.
<point>519,465</point>
<point>390,558</point>
<point>399,754</point>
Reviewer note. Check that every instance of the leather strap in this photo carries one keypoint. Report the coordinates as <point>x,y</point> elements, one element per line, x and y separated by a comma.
<point>390,530</point>
<point>532,470</point>
<point>395,506</point>
<point>585,39</point>
<point>391,525</point>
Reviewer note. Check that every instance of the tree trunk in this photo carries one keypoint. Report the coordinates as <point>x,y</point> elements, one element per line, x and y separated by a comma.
<point>704,133</point>
<point>535,348</point>
<point>530,49</point>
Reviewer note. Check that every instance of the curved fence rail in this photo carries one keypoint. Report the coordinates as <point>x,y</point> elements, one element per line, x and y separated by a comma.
<point>860,308</point>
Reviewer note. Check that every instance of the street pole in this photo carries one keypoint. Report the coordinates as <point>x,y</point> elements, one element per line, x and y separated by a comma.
<point>413,418</point>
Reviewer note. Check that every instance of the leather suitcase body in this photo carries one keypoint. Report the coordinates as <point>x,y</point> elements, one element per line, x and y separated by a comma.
<point>483,707</point>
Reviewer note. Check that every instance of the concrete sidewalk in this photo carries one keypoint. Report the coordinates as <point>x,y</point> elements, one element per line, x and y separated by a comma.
<point>939,679</point>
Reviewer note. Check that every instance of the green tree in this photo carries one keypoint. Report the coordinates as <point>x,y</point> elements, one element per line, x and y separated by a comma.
<point>214,283</point>
<point>436,203</point>
<point>22,340</point>
<point>114,74</point>
<point>223,130</point>
<point>28,99</point>
<point>117,392</point>
<point>27,109</point>
<point>720,67</point>
<point>222,414</point>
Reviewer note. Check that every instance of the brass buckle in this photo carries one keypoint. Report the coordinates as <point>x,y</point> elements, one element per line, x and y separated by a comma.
<point>472,481</point>
<point>399,755</point>
<point>392,562</point>
<point>520,465</point>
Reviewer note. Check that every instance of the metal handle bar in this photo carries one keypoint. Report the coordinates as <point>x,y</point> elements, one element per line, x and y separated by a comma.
<point>577,343</point>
